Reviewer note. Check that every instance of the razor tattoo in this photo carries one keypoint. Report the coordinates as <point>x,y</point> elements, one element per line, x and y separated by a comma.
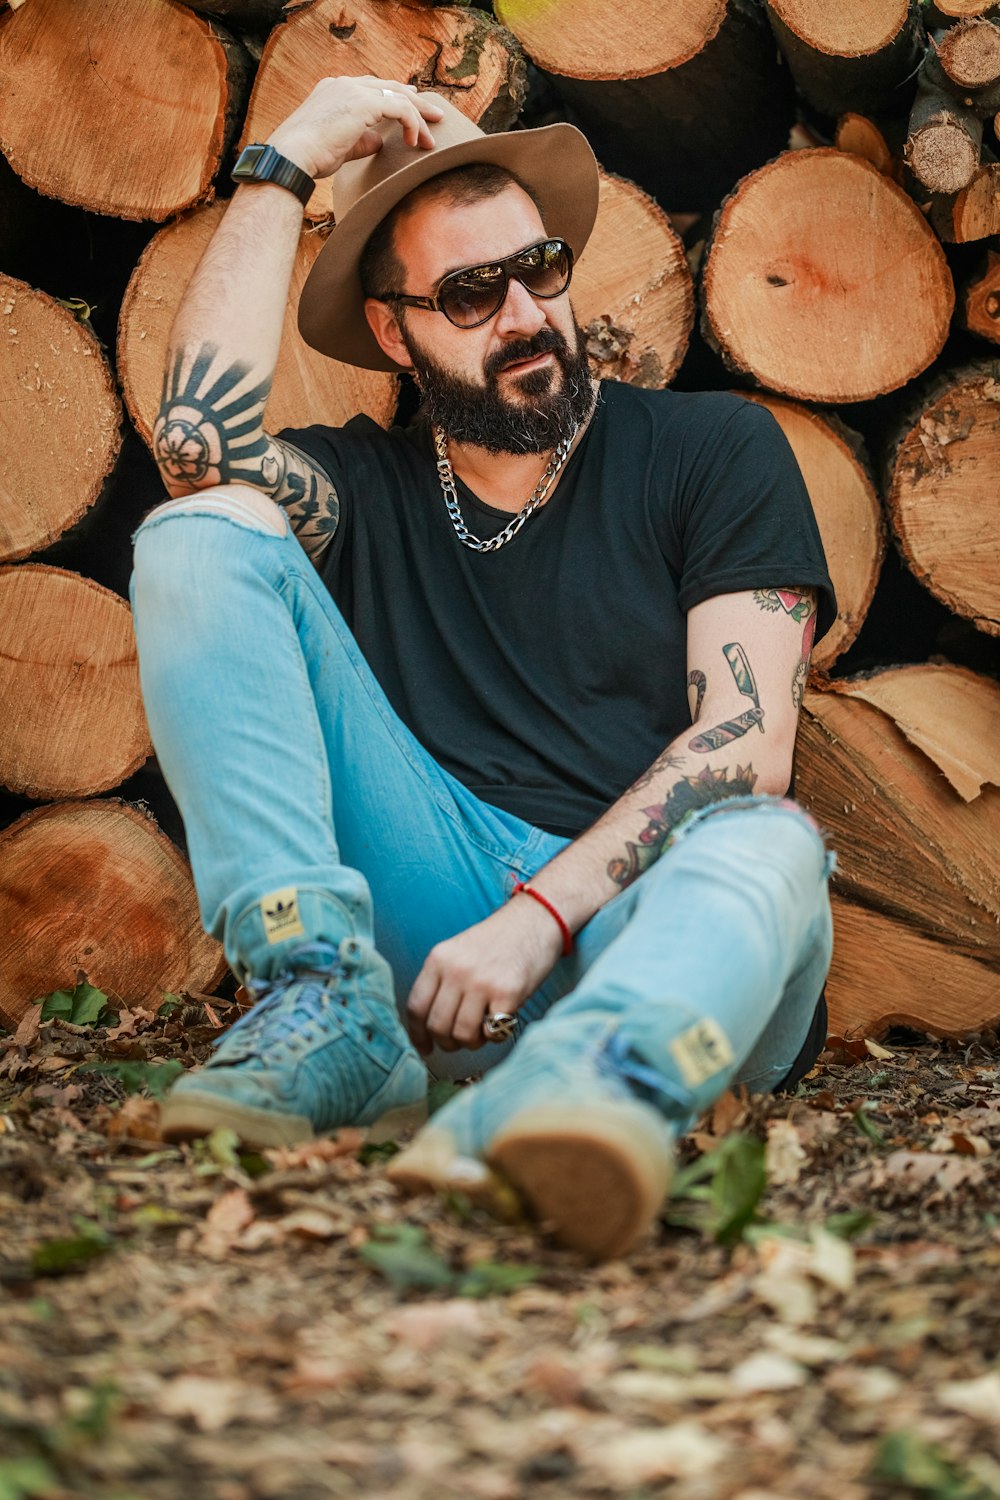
<point>210,431</point>
<point>729,729</point>
<point>685,797</point>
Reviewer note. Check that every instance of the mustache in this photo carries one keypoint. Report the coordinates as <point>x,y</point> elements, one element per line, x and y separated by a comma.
<point>547,340</point>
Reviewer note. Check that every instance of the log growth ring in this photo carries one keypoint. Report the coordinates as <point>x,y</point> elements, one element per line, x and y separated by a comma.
<point>60,420</point>
<point>307,387</point>
<point>632,289</point>
<point>846,28</point>
<point>69,674</point>
<point>823,281</point>
<point>80,122</point>
<point>571,37</point>
<point>944,498</point>
<point>96,889</point>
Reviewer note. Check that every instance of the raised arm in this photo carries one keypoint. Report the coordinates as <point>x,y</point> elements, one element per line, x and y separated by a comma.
<point>225,337</point>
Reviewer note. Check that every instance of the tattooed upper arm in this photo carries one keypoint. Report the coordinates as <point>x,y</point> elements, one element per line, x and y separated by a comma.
<point>210,431</point>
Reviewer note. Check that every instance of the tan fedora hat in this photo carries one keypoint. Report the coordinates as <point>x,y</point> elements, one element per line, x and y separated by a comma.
<point>554,162</point>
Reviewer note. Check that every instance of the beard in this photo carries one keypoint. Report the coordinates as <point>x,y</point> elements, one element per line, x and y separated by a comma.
<point>555,400</point>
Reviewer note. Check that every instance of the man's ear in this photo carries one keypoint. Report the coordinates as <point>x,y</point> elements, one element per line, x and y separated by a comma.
<point>385,326</point>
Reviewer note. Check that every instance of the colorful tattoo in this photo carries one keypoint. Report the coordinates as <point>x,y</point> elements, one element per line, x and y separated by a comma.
<point>666,761</point>
<point>793,601</point>
<point>732,729</point>
<point>699,682</point>
<point>689,794</point>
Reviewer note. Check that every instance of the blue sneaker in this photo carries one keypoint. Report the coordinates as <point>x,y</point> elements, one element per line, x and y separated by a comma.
<point>575,1120</point>
<point>322,1047</point>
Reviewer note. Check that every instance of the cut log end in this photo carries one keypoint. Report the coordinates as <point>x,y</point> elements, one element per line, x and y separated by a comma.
<point>571,37</point>
<point>95,890</point>
<point>798,297</point>
<point>70,678</point>
<point>943,155</point>
<point>969,53</point>
<point>80,121</point>
<point>632,289</point>
<point>851,28</point>
<point>981,303</point>
<point>943,496</point>
<point>60,420</point>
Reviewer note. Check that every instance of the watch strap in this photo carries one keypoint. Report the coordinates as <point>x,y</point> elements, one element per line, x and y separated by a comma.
<point>260,163</point>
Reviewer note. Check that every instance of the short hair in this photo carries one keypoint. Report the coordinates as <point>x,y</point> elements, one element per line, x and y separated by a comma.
<point>380,268</point>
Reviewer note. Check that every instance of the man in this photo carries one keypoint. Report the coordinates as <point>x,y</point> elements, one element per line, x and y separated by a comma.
<point>527,769</point>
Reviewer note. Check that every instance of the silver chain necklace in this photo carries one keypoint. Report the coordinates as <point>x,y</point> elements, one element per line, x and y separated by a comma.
<point>447,477</point>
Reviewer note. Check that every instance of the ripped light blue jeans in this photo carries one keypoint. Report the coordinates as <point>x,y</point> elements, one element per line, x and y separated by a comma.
<point>293,773</point>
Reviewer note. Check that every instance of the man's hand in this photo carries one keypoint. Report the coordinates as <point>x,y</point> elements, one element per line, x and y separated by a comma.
<point>341,120</point>
<point>493,966</point>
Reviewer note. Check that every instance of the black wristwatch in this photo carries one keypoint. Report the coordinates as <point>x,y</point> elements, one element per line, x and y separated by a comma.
<point>264,164</point>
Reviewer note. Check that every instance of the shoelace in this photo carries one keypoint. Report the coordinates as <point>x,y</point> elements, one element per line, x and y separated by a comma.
<point>307,1009</point>
<point>618,1058</point>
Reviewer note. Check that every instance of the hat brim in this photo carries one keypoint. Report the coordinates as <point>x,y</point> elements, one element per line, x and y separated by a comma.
<point>556,165</point>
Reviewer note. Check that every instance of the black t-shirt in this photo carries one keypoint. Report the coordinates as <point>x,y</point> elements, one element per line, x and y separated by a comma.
<point>547,675</point>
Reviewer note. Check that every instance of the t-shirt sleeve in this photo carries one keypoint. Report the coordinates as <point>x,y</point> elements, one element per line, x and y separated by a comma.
<point>743,517</point>
<point>331,449</point>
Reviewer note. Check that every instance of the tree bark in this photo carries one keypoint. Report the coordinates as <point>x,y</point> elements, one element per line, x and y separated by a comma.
<point>823,281</point>
<point>943,491</point>
<point>838,477</point>
<point>459,53</point>
<point>94,890</point>
<point>858,55</point>
<point>70,676</point>
<point>80,119</point>
<point>632,289</point>
<point>918,864</point>
<point>60,420</point>
<point>684,101</point>
<point>307,387</point>
<point>980,301</point>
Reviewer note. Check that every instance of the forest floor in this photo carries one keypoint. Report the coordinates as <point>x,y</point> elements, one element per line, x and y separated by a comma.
<point>819,1317</point>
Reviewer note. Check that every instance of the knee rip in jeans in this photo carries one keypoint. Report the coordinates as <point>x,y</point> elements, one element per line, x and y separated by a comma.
<point>253,511</point>
<point>783,806</point>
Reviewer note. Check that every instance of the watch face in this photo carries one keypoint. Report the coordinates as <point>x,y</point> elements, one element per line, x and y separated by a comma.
<point>249,161</point>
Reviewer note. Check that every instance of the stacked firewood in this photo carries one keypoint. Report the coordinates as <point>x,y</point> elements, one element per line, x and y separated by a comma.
<point>825,174</point>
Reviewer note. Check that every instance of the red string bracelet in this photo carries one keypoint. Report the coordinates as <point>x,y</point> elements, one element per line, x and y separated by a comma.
<point>528,890</point>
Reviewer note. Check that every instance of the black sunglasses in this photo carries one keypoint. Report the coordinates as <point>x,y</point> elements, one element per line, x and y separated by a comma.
<point>472,296</point>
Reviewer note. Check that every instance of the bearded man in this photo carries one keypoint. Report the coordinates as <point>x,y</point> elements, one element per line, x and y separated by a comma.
<point>481,729</point>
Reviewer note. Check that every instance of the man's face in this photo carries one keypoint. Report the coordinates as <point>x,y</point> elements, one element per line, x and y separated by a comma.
<point>519,383</point>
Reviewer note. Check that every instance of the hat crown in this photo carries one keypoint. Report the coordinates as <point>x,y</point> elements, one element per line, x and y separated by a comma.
<point>356,178</point>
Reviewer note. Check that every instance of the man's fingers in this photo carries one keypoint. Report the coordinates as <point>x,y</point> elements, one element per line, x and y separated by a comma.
<point>392,104</point>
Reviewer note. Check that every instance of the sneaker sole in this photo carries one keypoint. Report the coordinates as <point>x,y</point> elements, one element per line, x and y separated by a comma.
<point>193,1115</point>
<point>597,1182</point>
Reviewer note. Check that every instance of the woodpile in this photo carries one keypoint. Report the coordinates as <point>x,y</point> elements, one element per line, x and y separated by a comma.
<point>821,181</point>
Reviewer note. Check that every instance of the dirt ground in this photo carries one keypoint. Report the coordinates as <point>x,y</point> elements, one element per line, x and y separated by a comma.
<point>819,1317</point>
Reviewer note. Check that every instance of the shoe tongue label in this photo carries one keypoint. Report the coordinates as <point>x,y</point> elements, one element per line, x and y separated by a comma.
<point>701,1052</point>
<point>280,911</point>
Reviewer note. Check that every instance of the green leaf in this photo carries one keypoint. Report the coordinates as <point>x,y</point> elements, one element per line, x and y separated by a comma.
<point>82,1006</point>
<point>490,1278</point>
<point>222,1144</point>
<point>58,1256</point>
<point>724,1186</point>
<point>867,1126</point>
<point>438,1094</point>
<point>139,1077</point>
<point>21,1478</point>
<point>401,1253</point>
<point>852,1222</point>
<point>378,1151</point>
<point>170,1004</point>
<point>906,1458</point>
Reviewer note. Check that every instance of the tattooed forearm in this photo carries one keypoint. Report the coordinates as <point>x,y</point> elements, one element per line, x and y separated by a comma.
<point>210,431</point>
<point>686,796</point>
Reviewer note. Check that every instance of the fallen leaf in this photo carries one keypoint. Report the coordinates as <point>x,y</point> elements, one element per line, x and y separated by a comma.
<point>138,1119</point>
<point>325,1148</point>
<point>424,1325</point>
<point>684,1451</point>
<point>974,1398</point>
<point>961,1143</point>
<point>874,1050</point>
<point>27,1029</point>
<point>767,1372</point>
<point>915,1170</point>
<point>784,1155</point>
<point>210,1403</point>
<point>224,1223</point>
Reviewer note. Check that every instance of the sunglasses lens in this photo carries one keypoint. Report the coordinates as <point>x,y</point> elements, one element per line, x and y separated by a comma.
<point>544,269</point>
<point>472,296</point>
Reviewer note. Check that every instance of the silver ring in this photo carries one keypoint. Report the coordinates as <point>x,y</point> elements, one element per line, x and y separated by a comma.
<point>499,1026</point>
